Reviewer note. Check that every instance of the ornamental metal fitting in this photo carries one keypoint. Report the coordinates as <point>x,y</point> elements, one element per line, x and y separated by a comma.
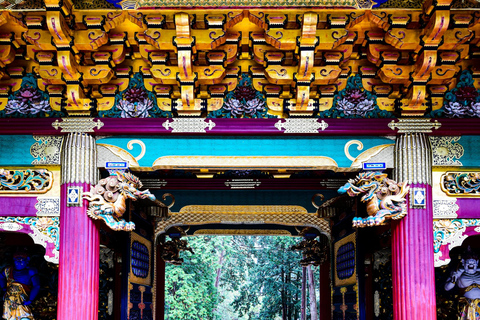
<point>189,125</point>
<point>301,125</point>
<point>414,125</point>
<point>77,124</point>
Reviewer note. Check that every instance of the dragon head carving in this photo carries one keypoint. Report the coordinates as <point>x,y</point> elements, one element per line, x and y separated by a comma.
<point>385,198</point>
<point>108,199</point>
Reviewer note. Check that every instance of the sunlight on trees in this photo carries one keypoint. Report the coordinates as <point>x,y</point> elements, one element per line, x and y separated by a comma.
<point>237,278</point>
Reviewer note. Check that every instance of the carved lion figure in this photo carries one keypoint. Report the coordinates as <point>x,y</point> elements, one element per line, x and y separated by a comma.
<point>384,197</point>
<point>108,199</point>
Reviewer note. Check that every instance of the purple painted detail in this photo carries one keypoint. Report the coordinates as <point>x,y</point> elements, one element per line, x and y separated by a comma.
<point>149,126</point>
<point>445,248</point>
<point>468,208</point>
<point>43,230</point>
<point>18,207</point>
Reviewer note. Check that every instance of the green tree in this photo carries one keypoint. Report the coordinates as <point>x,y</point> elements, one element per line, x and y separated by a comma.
<point>265,272</point>
<point>190,288</point>
<point>236,278</point>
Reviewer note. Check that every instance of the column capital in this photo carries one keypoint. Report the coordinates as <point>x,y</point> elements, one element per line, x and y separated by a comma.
<point>79,159</point>
<point>414,125</point>
<point>413,158</point>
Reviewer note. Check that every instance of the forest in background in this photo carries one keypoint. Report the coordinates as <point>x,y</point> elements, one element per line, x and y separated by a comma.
<point>240,278</point>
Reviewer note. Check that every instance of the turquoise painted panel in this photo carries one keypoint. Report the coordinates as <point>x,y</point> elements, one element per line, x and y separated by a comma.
<point>332,147</point>
<point>244,197</point>
<point>15,150</point>
<point>471,146</point>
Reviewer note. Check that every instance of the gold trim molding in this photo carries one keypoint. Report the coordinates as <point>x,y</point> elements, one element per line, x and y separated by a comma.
<point>237,215</point>
<point>244,162</point>
<point>241,232</point>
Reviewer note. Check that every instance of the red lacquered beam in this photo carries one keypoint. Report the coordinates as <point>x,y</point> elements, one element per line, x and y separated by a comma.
<point>154,126</point>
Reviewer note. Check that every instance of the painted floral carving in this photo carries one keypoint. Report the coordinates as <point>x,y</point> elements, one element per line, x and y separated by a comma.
<point>135,110</point>
<point>448,234</point>
<point>461,183</point>
<point>29,101</point>
<point>44,231</point>
<point>355,102</point>
<point>135,102</point>
<point>44,223</point>
<point>463,101</point>
<point>28,181</point>
<point>248,109</point>
<point>243,102</point>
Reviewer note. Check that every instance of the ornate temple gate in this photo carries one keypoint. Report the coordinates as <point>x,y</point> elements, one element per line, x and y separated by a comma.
<point>304,92</point>
<point>215,201</point>
<point>410,157</point>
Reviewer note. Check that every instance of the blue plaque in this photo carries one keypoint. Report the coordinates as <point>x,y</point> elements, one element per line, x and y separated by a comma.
<point>74,196</point>
<point>418,198</point>
<point>122,165</point>
<point>374,166</point>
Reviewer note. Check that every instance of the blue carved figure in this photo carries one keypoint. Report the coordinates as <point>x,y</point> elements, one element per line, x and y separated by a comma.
<point>20,284</point>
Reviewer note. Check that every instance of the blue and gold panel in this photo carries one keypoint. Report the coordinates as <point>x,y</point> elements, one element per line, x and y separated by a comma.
<point>140,306</point>
<point>141,259</point>
<point>345,271</point>
<point>301,152</point>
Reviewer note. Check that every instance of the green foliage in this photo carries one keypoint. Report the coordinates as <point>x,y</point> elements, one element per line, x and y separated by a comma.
<point>260,279</point>
<point>190,293</point>
<point>270,278</point>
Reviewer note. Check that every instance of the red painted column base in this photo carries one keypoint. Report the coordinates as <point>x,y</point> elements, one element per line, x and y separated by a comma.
<point>78,275</point>
<point>413,264</point>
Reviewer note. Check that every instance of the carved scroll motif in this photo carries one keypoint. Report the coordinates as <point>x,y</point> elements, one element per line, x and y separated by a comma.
<point>461,184</point>
<point>25,181</point>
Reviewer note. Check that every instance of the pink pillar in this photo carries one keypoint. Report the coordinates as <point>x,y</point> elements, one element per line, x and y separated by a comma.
<point>412,236</point>
<point>78,275</point>
<point>412,264</point>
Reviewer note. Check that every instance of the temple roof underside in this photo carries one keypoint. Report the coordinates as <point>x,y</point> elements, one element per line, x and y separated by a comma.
<point>330,59</point>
